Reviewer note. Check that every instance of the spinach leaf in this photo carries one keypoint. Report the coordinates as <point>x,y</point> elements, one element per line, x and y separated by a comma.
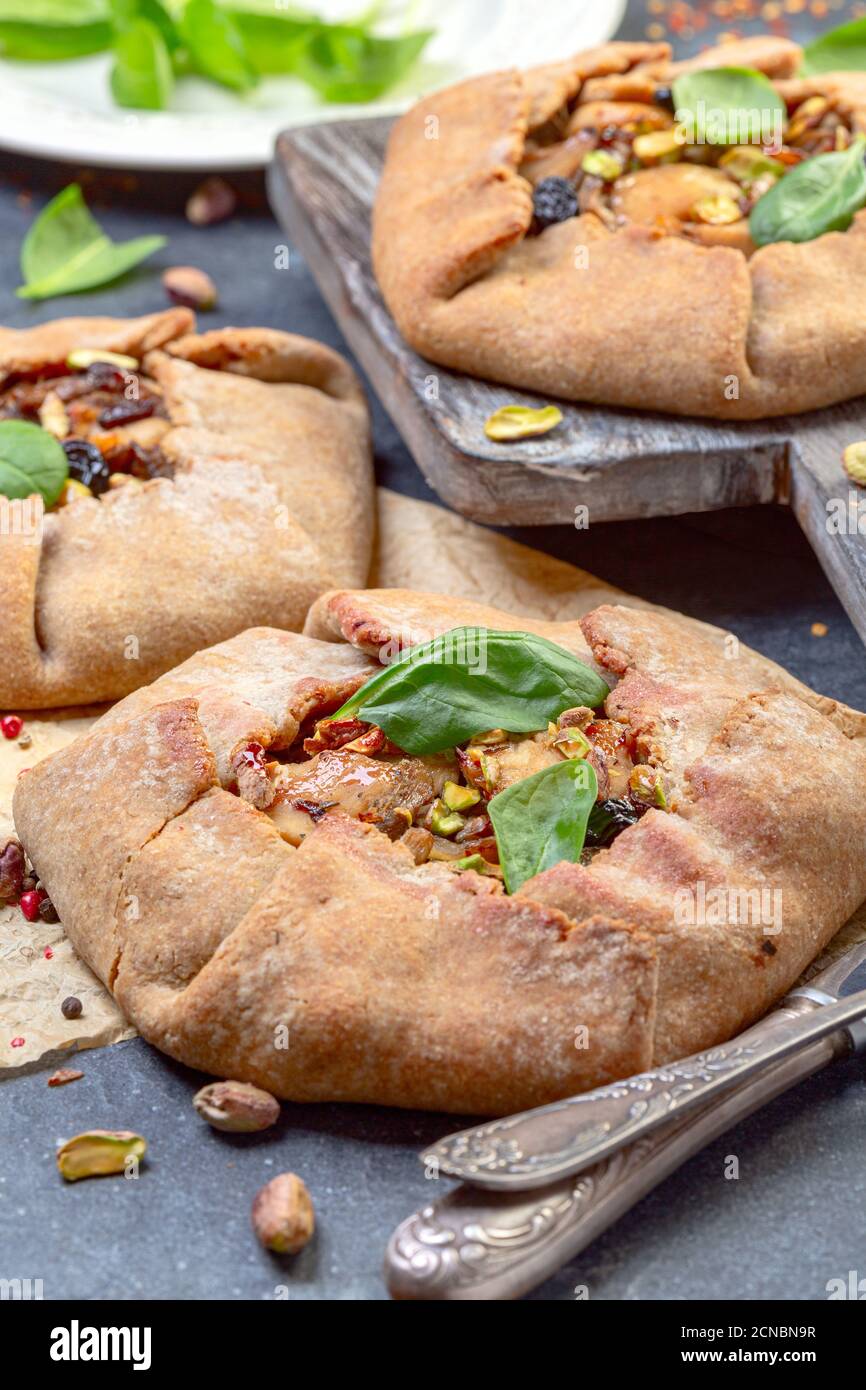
<point>842,50</point>
<point>31,460</point>
<point>273,42</point>
<point>66,250</point>
<point>468,680</point>
<point>346,63</point>
<point>820,195</point>
<point>542,820</point>
<point>46,43</point>
<point>729,106</point>
<point>215,46</point>
<point>125,12</point>
<point>142,75</point>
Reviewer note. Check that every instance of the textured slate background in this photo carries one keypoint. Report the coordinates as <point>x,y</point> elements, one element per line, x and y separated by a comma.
<point>793,1220</point>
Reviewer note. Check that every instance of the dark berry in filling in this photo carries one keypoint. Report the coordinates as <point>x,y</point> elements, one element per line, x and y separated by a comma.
<point>126,411</point>
<point>663,96</point>
<point>554,200</point>
<point>87,465</point>
<point>607,819</point>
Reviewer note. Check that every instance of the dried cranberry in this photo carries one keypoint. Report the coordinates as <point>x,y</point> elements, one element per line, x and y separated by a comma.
<point>126,411</point>
<point>87,464</point>
<point>104,376</point>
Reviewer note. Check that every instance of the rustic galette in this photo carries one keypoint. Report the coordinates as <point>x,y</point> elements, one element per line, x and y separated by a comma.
<point>626,230</point>
<point>433,854</point>
<point>162,490</point>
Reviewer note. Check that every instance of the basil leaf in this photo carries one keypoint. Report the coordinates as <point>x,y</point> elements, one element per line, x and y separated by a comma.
<point>46,43</point>
<point>468,680</point>
<point>729,106</point>
<point>31,460</point>
<point>345,63</point>
<point>820,195</point>
<point>842,50</point>
<point>216,49</point>
<point>541,820</point>
<point>66,250</point>
<point>142,75</point>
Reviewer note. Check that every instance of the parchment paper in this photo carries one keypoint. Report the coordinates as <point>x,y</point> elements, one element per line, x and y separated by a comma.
<point>419,546</point>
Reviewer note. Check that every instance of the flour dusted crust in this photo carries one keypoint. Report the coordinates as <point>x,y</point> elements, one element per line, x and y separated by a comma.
<point>411,985</point>
<point>648,320</point>
<point>270,503</point>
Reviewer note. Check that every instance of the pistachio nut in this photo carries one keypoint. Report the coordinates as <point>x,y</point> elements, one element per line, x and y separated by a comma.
<point>82,358</point>
<point>855,462</point>
<point>646,784</point>
<point>98,1153</point>
<point>659,146</point>
<point>53,416</point>
<point>745,163</point>
<point>602,165</point>
<point>282,1214</point>
<point>471,861</point>
<point>444,821</point>
<point>185,284</point>
<point>716,211</point>
<point>521,422</point>
<point>572,742</point>
<point>212,201</point>
<point>73,491</point>
<point>236,1107</point>
<point>459,798</point>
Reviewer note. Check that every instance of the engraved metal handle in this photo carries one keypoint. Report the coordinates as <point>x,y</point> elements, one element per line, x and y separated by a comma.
<point>538,1147</point>
<point>474,1244</point>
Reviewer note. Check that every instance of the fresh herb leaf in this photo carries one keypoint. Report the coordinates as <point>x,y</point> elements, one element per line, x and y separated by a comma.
<point>541,820</point>
<point>273,42</point>
<point>47,43</point>
<point>66,250</point>
<point>142,75</point>
<point>729,106</point>
<point>345,63</point>
<point>820,195</point>
<point>31,460</point>
<point>127,11</point>
<point>842,50</point>
<point>468,680</point>
<point>216,48</point>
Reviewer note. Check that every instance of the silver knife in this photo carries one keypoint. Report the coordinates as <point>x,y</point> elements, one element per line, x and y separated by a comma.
<point>472,1244</point>
<point>537,1147</point>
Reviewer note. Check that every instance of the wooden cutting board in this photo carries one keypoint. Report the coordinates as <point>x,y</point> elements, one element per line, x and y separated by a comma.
<point>599,464</point>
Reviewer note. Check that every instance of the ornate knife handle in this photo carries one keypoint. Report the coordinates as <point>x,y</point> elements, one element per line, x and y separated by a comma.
<point>498,1245</point>
<point>537,1147</point>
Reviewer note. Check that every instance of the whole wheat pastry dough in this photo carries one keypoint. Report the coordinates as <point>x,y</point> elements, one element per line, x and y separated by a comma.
<point>632,302</point>
<point>337,967</point>
<point>267,502</point>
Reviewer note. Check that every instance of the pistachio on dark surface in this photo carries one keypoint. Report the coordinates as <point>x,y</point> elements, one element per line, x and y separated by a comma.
<point>213,201</point>
<point>187,285</point>
<point>98,1153</point>
<point>11,872</point>
<point>282,1214</point>
<point>236,1107</point>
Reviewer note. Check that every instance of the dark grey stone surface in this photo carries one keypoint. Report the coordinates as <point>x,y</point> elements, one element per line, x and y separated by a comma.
<point>794,1218</point>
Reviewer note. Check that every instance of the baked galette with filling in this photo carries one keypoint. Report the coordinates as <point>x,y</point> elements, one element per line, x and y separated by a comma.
<point>162,490</point>
<point>433,854</point>
<point>627,230</point>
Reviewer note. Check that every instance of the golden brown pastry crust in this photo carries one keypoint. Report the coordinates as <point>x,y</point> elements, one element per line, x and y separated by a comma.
<point>271,503</point>
<point>342,971</point>
<point>627,317</point>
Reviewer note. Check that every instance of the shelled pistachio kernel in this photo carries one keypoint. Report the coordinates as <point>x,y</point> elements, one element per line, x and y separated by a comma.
<point>237,1107</point>
<point>855,462</point>
<point>476,862</point>
<point>282,1215</point>
<point>459,798</point>
<point>82,358</point>
<point>521,422</point>
<point>571,742</point>
<point>659,146</point>
<point>99,1153</point>
<point>53,416</point>
<point>648,786</point>
<point>444,821</point>
<point>717,211</point>
<point>602,165</point>
<point>73,491</point>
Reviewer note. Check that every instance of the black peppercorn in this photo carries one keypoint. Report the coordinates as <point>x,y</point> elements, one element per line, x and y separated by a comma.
<point>71,1007</point>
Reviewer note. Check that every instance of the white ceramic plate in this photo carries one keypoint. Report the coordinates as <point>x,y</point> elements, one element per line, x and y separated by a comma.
<point>64,110</point>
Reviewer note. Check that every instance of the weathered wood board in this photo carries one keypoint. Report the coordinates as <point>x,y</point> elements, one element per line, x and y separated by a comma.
<point>617,464</point>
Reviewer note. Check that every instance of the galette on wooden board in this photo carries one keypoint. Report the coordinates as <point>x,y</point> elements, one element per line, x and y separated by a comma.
<point>434,854</point>
<point>627,230</point>
<point>163,490</point>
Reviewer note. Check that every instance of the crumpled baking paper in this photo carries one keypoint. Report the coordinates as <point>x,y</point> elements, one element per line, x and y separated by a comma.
<point>419,546</point>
